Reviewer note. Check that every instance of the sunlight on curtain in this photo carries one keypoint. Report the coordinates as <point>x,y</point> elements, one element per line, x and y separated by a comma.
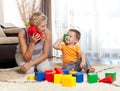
<point>97,20</point>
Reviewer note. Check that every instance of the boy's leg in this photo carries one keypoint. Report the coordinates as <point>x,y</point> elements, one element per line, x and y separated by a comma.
<point>69,66</point>
<point>73,66</point>
<point>88,68</point>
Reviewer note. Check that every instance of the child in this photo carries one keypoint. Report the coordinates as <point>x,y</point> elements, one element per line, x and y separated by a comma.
<point>72,56</point>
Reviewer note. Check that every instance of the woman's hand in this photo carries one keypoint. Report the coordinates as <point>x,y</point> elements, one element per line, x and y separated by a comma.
<point>35,38</point>
<point>26,67</point>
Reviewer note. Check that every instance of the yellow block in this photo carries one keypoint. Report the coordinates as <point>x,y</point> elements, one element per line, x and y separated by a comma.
<point>64,77</point>
<point>69,81</point>
<point>31,77</point>
<point>73,72</point>
<point>58,78</point>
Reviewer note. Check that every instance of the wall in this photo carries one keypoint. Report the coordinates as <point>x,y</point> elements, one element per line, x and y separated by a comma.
<point>11,13</point>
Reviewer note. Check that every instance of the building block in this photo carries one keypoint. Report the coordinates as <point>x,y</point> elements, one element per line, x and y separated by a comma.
<point>69,81</point>
<point>31,77</point>
<point>65,71</point>
<point>58,70</point>
<point>64,37</point>
<point>73,72</point>
<point>58,78</point>
<point>64,77</point>
<point>79,77</point>
<point>49,76</point>
<point>40,76</point>
<point>113,74</point>
<point>92,77</point>
<point>108,79</point>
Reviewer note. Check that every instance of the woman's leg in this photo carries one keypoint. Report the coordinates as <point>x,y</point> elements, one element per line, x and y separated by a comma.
<point>20,62</point>
<point>45,65</point>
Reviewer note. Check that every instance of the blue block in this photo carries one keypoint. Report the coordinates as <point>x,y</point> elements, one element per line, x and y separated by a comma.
<point>79,77</point>
<point>66,71</point>
<point>40,76</point>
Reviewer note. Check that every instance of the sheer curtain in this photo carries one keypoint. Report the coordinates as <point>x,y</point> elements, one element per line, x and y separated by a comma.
<point>97,20</point>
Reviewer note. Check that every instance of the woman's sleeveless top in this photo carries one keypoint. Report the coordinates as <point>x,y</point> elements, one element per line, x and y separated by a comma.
<point>38,46</point>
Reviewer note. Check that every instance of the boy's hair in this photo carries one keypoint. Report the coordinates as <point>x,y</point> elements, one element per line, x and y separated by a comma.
<point>78,34</point>
<point>37,18</point>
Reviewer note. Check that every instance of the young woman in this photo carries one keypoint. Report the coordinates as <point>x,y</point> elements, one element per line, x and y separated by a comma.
<point>33,50</point>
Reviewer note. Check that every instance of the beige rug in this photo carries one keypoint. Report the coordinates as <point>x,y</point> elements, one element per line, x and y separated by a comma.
<point>10,74</point>
<point>14,81</point>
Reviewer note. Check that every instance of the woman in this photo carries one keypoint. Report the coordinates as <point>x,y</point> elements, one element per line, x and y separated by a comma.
<point>32,51</point>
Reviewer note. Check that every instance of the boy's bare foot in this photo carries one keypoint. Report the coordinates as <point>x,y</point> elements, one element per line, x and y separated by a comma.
<point>91,70</point>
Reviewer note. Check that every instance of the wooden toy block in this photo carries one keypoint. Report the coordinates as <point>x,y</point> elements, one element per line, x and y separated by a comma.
<point>66,71</point>
<point>79,77</point>
<point>113,74</point>
<point>58,78</point>
<point>40,76</point>
<point>64,77</point>
<point>31,77</point>
<point>73,72</point>
<point>49,76</point>
<point>92,78</point>
<point>64,37</point>
<point>108,79</point>
<point>58,70</point>
<point>69,81</point>
<point>48,70</point>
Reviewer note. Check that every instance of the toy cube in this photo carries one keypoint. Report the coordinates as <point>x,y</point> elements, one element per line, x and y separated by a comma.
<point>40,76</point>
<point>113,74</point>
<point>69,81</point>
<point>64,77</point>
<point>79,77</point>
<point>58,70</point>
<point>49,76</point>
<point>31,77</point>
<point>92,78</point>
<point>58,78</point>
<point>64,37</point>
<point>73,72</point>
<point>65,71</point>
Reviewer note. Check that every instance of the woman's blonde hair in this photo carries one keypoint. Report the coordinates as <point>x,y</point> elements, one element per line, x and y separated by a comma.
<point>37,18</point>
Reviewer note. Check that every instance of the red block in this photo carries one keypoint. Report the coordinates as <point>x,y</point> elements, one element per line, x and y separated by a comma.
<point>108,79</point>
<point>48,71</point>
<point>58,70</point>
<point>49,76</point>
<point>33,29</point>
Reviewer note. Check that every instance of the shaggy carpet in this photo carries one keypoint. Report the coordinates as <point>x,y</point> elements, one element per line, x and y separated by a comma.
<point>12,80</point>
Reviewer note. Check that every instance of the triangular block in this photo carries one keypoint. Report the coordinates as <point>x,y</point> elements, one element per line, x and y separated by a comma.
<point>108,79</point>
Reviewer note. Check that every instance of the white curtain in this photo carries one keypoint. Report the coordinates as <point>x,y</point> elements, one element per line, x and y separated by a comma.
<point>97,20</point>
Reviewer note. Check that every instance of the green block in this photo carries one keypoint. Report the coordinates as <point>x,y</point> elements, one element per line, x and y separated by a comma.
<point>113,74</point>
<point>92,78</point>
<point>64,37</point>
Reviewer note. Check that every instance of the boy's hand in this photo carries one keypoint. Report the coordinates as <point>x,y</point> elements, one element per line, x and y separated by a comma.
<point>83,64</point>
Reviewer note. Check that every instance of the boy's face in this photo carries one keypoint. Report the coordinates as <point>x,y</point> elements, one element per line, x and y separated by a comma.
<point>71,38</point>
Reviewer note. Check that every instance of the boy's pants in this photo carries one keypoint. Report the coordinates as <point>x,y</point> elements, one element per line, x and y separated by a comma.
<point>76,66</point>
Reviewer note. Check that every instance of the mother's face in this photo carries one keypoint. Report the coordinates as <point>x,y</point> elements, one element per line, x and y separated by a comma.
<point>42,26</point>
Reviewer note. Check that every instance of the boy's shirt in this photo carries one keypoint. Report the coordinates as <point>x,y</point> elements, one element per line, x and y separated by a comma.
<point>69,54</point>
